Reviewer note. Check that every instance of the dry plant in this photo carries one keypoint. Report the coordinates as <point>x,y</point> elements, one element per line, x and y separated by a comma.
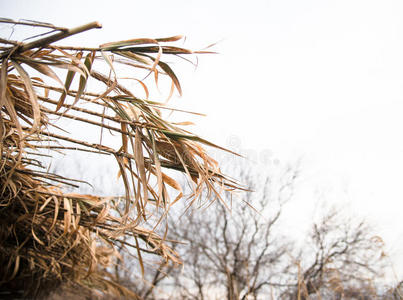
<point>49,236</point>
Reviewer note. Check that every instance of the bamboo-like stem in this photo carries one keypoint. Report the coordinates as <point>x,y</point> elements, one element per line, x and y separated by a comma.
<point>108,150</point>
<point>65,148</point>
<point>97,114</point>
<point>4,41</point>
<point>53,38</point>
<point>73,93</point>
<point>33,24</point>
<point>76,48</point>
<point>48,111</point>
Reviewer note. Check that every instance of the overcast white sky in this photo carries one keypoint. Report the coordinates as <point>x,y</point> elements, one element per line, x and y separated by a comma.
<point>321,80</point>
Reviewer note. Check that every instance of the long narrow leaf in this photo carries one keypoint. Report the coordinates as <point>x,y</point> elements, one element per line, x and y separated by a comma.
<point>121,44</point>
<point>171,74</point>
<point>44,69</point>
<point>69,79</point>
<point>83,79</point>
<point>32,95</point>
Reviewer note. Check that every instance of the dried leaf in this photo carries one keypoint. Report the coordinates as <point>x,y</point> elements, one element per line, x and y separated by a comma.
<point>83,79</point>
<point>170,39</point>
<point>138,154</point>
<point>32,95</point>
<point>167,69</point>
<point>125,43</point>
<point>3,82</point>
<point>44,69</point>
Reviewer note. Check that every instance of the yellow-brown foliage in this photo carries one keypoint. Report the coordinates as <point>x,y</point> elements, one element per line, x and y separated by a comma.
<point>48,236</point>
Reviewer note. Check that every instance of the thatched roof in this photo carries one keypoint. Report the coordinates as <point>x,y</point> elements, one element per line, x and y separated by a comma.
<point>49,236</point>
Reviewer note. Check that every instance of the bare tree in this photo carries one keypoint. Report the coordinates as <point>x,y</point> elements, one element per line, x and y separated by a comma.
<point>239,252</point>
<point>341,258</point>
<point>234,251</point>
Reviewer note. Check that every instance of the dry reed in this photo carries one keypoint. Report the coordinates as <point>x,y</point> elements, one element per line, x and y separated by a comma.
<point>49,236</point>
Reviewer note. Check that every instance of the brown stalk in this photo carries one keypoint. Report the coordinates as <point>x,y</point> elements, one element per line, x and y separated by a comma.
<point>51,39</point>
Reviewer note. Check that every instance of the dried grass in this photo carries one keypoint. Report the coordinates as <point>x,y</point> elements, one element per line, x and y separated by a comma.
<point>48,236</point>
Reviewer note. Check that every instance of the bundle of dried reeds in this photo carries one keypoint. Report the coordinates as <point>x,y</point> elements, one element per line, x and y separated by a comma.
<point>49,236</point>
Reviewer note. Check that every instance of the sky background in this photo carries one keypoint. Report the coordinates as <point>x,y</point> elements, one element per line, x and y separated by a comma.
<point>316,81</point>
